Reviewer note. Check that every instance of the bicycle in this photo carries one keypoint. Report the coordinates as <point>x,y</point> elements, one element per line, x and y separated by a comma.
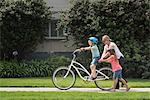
<point>64,77</point>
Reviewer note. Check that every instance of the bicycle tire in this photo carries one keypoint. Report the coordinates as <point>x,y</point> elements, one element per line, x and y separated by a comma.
<point>59,75</point>
<point>105,84</point>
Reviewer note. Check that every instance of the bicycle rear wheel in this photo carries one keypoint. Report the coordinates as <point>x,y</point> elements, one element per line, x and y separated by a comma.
<point>63,79</point>
<point>104,82</point>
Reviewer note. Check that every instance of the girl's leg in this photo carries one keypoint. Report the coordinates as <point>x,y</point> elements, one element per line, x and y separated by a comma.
<point>115,81</point>
<point>93,70</point>
<point>117,85</point>
<point>125,83</point>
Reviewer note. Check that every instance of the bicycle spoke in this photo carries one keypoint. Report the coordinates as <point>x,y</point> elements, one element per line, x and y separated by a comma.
<point>62,81</point>
<point>104,79</point>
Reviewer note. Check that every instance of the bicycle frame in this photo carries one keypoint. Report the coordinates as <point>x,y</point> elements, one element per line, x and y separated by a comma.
<point>82,68</point>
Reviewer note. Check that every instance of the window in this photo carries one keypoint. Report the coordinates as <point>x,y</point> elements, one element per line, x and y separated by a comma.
<point>52,32</point>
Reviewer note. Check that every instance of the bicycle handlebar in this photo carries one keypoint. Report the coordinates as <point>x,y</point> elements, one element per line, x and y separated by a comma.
<point>74,53</point>
<point>77,50</point>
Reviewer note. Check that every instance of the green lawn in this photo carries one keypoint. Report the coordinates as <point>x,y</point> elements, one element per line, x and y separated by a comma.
<point>74,96</point>
<point>46,82</point>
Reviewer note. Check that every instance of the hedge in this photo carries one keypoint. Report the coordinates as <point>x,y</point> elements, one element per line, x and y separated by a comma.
<point>33,68</point>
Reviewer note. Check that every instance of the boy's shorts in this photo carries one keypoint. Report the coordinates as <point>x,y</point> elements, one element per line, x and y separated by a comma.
<point>95,60</point>
<point>117,74</point>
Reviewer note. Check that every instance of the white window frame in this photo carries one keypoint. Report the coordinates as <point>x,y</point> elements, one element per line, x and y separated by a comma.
<point>50,32</point>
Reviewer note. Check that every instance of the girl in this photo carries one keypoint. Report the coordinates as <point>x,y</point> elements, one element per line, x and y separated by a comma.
<point>116,68</point>
<point>111,45</point>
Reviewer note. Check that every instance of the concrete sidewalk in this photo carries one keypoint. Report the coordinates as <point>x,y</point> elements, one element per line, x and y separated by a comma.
<point>15,89</point>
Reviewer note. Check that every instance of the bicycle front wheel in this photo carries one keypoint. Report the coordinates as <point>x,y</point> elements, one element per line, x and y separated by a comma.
<point>104,79</point>
<point>63,78</point>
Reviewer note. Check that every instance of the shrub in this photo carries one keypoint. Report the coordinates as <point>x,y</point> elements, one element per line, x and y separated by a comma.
<point>33,68</point>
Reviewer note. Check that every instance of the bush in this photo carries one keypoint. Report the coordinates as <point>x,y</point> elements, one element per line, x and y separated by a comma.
<point>34,68</point>
<point>126,22</point>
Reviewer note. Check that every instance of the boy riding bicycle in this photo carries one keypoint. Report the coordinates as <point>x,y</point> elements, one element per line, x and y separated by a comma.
<point>92,41</point>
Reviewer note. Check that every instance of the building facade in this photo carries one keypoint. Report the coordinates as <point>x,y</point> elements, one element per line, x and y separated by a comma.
<point>55,42</point>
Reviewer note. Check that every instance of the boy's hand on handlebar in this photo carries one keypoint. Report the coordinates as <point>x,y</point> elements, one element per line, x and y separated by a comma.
<point>77,50</point>
<point>82,49</point>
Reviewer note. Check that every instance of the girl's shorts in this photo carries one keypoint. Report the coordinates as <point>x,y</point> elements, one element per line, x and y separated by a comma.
<point>117,74</point>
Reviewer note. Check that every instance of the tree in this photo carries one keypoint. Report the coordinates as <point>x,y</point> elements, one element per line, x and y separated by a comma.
<point>126,22</point>
<point>21,25</point>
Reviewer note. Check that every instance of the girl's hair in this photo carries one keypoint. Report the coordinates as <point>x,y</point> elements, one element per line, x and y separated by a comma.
<point>112,52</point>
<point>105,37</point>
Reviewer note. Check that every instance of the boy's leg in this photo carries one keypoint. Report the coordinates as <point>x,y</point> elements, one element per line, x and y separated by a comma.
<point>93,67</point>
<point>93,70</point>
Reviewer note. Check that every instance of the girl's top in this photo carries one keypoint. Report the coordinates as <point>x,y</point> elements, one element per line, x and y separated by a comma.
<point>114,63</point>
<point>112,45</point>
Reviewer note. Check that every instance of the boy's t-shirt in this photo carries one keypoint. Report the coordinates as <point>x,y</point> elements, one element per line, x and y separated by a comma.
<point>95,51</point>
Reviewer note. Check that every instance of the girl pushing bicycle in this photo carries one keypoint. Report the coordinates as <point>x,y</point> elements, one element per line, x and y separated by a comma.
<point>108,44</point>
<point>116,68</point>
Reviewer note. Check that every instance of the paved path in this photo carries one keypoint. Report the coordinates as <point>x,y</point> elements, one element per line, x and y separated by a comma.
<point>14,89</point>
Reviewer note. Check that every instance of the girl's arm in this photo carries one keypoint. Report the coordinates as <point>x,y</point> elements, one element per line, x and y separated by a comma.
<point>104,54</point>
<point>107,60</point>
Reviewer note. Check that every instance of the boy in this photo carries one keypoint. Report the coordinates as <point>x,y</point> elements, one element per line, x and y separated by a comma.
<point>95,55</point>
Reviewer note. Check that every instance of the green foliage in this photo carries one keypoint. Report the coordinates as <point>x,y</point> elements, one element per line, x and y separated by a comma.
<point>34,68</point>
<point>126,22</point>
<point>21,24</point>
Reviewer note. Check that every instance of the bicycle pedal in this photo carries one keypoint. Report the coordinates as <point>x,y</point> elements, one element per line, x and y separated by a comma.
<point>99,77</point>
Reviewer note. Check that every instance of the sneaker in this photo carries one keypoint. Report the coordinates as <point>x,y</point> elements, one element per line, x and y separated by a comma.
<point>127,89</point>
<point>92,78</point>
